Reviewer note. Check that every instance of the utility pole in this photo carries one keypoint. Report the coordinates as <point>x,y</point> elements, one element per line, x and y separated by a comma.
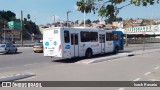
<point>68,17</point>
<point>4,33</point>
<point>21,28</point>
<point>126,37</point>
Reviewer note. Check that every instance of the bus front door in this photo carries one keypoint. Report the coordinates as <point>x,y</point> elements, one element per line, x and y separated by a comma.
<point>102,42</point>
<point>74,45</point>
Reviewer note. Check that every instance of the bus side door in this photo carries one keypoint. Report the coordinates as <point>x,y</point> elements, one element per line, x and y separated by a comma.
<point>102,42</point>
<point>66,45</point>
<point>109,42</point>
<point>74,45</point>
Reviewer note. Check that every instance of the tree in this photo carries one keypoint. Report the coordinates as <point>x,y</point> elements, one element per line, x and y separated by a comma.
<point>110,20</point>
<point>28,16</point>
<point>109,8</point>
<point>146,22</point>
<point>7,15</point>
<point>76,22</point>
<point>88,21</point>
<point>95,21</point>
<point>85,6</point>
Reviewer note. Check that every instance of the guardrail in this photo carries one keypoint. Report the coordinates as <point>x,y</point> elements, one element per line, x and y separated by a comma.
<point>24,45</point>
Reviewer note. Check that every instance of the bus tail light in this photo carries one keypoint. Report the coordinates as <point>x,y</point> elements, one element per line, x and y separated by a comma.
<point>60,47</point>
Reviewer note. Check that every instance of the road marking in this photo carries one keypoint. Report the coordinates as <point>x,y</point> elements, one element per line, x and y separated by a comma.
<point>154,80</point>
<point>121,88</point>
<point>5,68</point>
<point>30,64</point>
<point>137,79</point>
<point>156,68</point>
<point>22,65</point>
<point>17,76</point>
<point>101,59</point>
<point>147,73</point>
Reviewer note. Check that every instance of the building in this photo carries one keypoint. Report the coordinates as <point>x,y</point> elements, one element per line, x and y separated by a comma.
<point>10,32</point>
<point>143,34</point>
<point>7,35</point>
<point>148,30</point>
<point>117,24</point>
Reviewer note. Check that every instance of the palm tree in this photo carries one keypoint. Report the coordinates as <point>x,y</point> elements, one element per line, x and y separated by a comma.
<point>85,6</point>
<point>28,16</point>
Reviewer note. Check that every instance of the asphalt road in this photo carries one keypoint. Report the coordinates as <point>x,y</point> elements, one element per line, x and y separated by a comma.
<point>26,58</point>
<point>137,68</point>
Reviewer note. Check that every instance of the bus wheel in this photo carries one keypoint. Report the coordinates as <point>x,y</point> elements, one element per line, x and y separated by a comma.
<point>88,53</point>
<point>116,49</point>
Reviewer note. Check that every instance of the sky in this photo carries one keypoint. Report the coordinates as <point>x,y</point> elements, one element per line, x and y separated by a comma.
<point>42,11</point>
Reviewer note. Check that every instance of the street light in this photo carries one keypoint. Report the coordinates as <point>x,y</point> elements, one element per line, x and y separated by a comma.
<point>84,18</point>
<point>68,17</point>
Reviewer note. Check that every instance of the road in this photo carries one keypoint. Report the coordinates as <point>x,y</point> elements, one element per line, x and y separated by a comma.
<point>138,68</point>
<point>144,67</point>
<point>26,57</point>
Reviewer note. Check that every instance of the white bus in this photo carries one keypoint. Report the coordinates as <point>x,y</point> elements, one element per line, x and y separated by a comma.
<point>79,42</point>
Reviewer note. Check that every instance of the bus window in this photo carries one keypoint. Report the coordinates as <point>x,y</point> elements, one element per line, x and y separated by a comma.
<point>115,36</point>
<point>102,38</point>
<point>74,39</point>
<point>66,37</point>
<point>84,36</point>
<point>93,36</point>
<point>109,36</point>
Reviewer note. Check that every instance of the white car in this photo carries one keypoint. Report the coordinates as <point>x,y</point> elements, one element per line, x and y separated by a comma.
<point>8,48</point>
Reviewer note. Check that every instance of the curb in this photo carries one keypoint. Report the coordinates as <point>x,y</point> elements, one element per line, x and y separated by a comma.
<point>119,55</point>
<point>91,61</point>
<point>16,77</point>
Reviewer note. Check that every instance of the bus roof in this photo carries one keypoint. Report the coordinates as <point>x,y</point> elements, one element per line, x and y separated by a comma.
<point>83,28</point>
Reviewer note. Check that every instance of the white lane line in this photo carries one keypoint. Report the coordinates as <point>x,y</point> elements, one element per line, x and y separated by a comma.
<point>137,79</point>
<point>5,68</point>
<point>30,64</point>
<point>21,66</point>
<point>147,73</point>
<point>156,68</point>
<point>153,80</point>
<point>121,88</point>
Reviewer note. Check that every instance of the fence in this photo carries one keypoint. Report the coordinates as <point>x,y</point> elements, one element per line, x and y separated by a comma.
<point>142,40</point>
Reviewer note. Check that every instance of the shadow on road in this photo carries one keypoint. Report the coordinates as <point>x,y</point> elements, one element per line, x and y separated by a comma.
<point>125,51</point>
<point>74,60</point>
